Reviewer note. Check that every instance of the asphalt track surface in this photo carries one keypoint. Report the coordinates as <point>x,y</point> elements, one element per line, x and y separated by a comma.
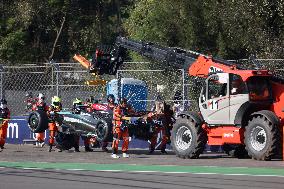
<point>27,166</point>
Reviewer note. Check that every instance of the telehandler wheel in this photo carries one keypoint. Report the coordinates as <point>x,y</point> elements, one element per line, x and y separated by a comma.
<point>38,121</point>
<point>188,138</point>
<point>262,138</point>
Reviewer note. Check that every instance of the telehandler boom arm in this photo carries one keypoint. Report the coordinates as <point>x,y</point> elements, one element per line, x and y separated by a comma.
<point>108,62</point>
<point>197,64</point>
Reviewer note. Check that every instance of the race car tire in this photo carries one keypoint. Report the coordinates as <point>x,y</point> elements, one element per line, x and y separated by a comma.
<point>38,121</point>
<point>104,131</point>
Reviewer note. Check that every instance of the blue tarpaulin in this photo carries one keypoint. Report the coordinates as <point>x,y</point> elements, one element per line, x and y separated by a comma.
<point>134,90</point>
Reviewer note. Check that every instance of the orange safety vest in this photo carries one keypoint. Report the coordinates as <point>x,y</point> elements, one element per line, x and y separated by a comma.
<point>117,115</point>
<point>52,126</point>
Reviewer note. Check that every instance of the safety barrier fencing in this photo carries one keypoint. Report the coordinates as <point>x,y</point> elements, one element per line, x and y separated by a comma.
<point>69,81</point>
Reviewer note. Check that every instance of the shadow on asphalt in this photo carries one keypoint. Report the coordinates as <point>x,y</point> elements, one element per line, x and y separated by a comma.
<point>146,152</point>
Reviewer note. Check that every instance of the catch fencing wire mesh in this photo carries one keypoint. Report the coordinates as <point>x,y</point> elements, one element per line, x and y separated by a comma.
<point>69,82</point>
<point>17,80</point>
<point>162,83</point>
<point>275,65</point>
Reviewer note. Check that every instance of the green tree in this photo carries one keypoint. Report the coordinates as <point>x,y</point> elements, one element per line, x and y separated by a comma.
<point>34,30</point>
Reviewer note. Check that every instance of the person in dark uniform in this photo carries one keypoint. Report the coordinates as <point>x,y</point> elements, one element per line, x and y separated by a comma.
<point>40,105</point>
<point>111,106</point>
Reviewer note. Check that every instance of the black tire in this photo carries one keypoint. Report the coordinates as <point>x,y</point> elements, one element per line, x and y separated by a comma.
<point>104,131</point>
<point>262,137</point>
<point>188,139</point>
<point>38,121</point>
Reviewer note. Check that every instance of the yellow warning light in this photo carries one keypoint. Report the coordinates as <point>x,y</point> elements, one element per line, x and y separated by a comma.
<point>96,82</point>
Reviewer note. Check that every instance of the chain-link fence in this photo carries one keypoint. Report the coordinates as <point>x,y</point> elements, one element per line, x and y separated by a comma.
<point>16,80</point>
<point>68,80</point>
<point>70,83</point>
<point>64,79</point>
<point>163,84</point>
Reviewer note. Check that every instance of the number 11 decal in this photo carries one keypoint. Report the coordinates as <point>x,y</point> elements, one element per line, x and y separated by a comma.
<point>213,104</point>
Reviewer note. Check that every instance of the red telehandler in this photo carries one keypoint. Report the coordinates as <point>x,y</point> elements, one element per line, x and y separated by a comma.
<point>236,106</point>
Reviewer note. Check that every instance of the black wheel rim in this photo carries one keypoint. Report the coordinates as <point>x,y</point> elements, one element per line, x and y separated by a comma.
<point>33,122</point>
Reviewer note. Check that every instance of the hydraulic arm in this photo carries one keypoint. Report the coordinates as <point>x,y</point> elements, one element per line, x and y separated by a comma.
<point>108,62</point>
<point>197,64</point>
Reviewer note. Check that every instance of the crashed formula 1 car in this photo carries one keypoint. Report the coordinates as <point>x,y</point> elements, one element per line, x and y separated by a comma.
<point>97,123</point>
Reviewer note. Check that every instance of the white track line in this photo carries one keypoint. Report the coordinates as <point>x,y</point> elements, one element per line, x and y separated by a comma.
<point>145,171</point>
<point>193,173</point>
<point>76,169</point>
<point>31,168</point>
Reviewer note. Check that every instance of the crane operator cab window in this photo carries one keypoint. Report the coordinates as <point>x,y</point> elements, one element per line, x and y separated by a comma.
<point>259,88</point>
<point>214,101</point>
<point>217,86</point>
<point>237,85</point>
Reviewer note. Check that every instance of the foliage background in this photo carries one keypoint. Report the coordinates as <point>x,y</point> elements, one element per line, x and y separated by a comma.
<point>225,28</point>
<point>229,29</point>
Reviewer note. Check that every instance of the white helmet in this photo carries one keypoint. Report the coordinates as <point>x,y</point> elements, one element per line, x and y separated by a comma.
<point>41,96</point>
<point>3,104</point>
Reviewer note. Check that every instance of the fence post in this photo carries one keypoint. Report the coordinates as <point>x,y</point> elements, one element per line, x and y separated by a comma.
<point>56,67</point>
<point>57,82</point>
<point>1,72</point>
<point>52,78</point>
<point>118,86</point>
<point>183,90</point>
